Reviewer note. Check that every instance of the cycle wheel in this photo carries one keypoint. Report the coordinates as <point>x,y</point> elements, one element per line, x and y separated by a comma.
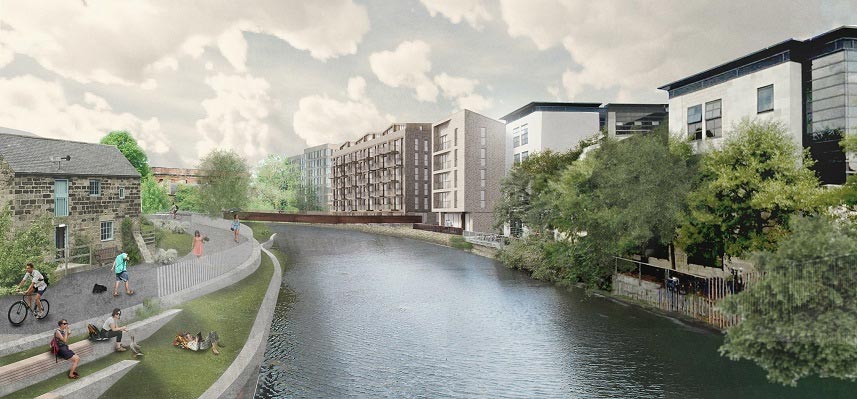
<point>46,307</point>
<point>18,313</point>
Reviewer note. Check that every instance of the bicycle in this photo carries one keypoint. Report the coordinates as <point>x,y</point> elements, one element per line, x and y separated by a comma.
<point>19,310</point>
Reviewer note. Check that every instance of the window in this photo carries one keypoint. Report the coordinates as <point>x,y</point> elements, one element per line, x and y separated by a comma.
<point>525,155</point>
<point>426,202</point>
<point>106,231</point>
<point>416,202</point>
<point>416,144</point>
<point>482,136</point>
<point>765,99</point>
<point>482,156</point>
<point>525,137</point>
<point>482,199</point>
<point>517,159</point>
<point>425,144</point>
<point>713,119</point>
<point>694,122</point>
<point>60,197</point>
<point>121,192</point>
<point>94,188</point>
<point>516,141</point>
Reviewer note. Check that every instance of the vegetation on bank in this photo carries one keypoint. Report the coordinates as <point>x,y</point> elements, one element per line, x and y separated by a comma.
<point>166,371</point>
<point>459,242</point>
<point>32,244</point>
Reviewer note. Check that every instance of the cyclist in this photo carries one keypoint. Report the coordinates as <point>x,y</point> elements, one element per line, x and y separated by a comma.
<point>174,210</point>
<point>37,285</point>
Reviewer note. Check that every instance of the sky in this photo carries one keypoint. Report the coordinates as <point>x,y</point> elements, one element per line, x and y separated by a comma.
<point>276,76</point>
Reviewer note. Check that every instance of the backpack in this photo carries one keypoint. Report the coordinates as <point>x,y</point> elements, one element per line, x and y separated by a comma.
<point>94,333</point>
<point>55,349</point>
<point>45,276</point>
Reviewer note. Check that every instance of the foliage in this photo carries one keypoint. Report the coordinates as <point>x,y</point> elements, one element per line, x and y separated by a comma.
<point>800,319</point>
<point>459,242</point>
<point>188,198</point>
<point>130,149</point>
<point>129,245</point>
<point>306,197</point>
<point>261,231</point>
<point>750,189</point>
<point>33,244</point>
<point>225,182</point>
<point>182,243</point>
<point>275,183</point>
<point>154,196</point>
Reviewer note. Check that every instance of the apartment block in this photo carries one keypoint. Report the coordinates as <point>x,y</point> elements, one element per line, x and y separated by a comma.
<point>540,126</point>
<point>808,85</point>
<point>468,151</point>
<point>387,171</point>
<point>315,166</point>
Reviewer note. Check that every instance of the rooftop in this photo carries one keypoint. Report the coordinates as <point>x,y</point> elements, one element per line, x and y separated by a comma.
<point>570,107</point>
<point>30,154</point>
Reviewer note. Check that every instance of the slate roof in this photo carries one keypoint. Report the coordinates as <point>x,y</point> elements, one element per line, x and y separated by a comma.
<point>31,155</point>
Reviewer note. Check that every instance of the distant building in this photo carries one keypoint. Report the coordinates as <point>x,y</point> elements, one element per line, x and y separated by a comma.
<point>86,188</point>
<point>468,150</point>
<point>315,167</point>
<point>540,126</point>
<point>386,171</point>
<point>810,86</point>
<point>172,177</point>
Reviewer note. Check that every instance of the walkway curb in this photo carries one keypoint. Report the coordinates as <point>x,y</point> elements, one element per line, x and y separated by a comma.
<point>92,386</point>
<point>249,360</point>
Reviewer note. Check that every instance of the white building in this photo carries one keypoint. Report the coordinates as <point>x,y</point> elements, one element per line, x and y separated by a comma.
<point>810,86</point>
<point>315,165</point>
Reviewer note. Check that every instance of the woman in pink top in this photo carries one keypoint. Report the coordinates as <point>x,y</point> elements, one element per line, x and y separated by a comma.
<point>197,244</point>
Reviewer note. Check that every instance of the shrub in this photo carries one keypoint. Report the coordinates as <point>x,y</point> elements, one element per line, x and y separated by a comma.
<point>33,244</point>
<point>129,246</point>
<point>460,243</point>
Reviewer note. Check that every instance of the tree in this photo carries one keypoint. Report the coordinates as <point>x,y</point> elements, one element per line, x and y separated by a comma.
<point>750,189</point>
<point>153,196</point>
<point>187,198</point>
<point>33,244</point>
<point>306,197</point>
<point>225,182</point>
<point>276,182</point>
<point>129,148</point>
<point>800,319</point>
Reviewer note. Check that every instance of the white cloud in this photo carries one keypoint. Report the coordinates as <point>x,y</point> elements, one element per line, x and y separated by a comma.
<point>474,102</point>
<point>472,11</point>
<point>455,86</point>
<point>236,117</point>
<point>632,46</point>
<point>165,64</point>
<point>40,106</point>
<point>321,119</point>
<point>406,66</point>
<point>6,55</point>
<point>114,42</point>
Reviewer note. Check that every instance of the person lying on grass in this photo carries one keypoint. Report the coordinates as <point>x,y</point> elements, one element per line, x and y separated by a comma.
<point>196,343</point>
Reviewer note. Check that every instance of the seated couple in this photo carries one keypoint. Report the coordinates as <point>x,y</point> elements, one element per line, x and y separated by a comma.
<point>196,343</point>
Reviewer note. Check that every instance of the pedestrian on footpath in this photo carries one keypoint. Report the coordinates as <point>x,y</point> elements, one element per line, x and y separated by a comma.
<point>37,285</point>
<point>120,268</point>
<point>198,239</point>
<point>236,224</point>
<point>61,334</point>
<point>111,329</point>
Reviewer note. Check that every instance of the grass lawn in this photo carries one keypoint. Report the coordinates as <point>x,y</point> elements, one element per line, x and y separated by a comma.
<point>261,232</point>
<point>182,243</point>
<point>166,371</point>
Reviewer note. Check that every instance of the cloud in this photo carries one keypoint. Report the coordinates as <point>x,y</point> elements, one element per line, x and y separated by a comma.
<point>236,117</point>
<point>6,55</point>
<point>630,45</point>
<point>474,102</point>
<point>406,66</point>
<point>39,106</point>
<point>117,42</point>
<point>321,119</point>
<point>472,11</point>
<point>455,86</point>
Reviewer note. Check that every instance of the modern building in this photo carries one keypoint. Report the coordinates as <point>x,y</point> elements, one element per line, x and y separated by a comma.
<point>172,177</point>
<point>468,151</point>
<point>540,126</point>
<point>387,171</point>
<point>808,85</point>
<point>315,167</point>
<point>87,189</point>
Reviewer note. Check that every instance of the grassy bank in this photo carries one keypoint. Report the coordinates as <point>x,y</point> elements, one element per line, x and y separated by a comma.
<point>182,243</point>
<point>166,371</point>
<point>261,232</point>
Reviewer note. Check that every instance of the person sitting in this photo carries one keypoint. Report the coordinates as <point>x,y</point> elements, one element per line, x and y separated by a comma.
<point>111,329</point>
<point>61,334</point>
<point>196,343</point>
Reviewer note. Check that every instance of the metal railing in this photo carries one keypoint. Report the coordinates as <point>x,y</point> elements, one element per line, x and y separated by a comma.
<point>485,239</point>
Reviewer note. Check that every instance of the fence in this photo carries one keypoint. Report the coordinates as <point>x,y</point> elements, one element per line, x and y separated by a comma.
<point>485,239</point>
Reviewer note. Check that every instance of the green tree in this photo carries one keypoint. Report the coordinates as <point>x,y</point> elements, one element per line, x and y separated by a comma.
<point>276,182</point>
<point>225,182</point>
<point>153,196</point>
<point>750,189</point>
<point>129,148</point>
<point>17,248</point>
<point>306,197</point>
<point>187,198</point>
<point>800,319</point>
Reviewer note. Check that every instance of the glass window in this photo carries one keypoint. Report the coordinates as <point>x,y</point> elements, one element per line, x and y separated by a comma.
<point>94,187</point>
<point>517,159</point>
<point>516,141</point>
<point>765,99</point>
<point>60,197</point>
<point>525,137</point>
<point>106,231</point>
<point>694,122</point>
<point>121,192</point>
<point>713,119</point>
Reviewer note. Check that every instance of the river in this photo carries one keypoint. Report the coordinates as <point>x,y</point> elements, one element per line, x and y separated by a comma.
<point>372,316</point>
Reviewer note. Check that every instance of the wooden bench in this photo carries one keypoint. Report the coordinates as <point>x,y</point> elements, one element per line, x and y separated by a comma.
<point>106,255</point>
<point>24,369</point>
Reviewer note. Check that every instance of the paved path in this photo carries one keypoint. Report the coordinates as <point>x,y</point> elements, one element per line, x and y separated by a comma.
<point>71,298</point>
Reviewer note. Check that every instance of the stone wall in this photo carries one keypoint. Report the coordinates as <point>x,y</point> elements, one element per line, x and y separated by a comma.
<point>6,184</point>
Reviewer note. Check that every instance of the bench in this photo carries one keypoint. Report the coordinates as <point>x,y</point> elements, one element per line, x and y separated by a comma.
<point>106,255</point>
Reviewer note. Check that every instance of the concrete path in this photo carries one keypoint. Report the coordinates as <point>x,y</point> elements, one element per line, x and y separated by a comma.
<point>71,298</point>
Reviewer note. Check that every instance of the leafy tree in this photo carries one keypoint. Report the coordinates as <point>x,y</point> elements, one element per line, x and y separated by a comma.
<point>800,319</point>
<point>276,182</point>
<point>129,245</point>
<point>750,189</point>
<point>153,196</point>
<point>187,198</point>
<point>129,148</point>
<point>33,244</point>
<point>225,182</point>
<point>306,197</point>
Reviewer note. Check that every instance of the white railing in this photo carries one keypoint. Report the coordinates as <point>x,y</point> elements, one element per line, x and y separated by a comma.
<point>485,239</point>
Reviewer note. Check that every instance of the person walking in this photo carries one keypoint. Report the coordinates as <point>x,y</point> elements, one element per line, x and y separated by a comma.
<point>197,243</point>
<point>236,224</point>
<point>111,329</point>
<point>61,334</point>
<point>120,268</point>
<point>37,285</point>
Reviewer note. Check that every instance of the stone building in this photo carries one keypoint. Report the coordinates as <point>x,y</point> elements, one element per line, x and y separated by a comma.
<point>88,189</point>
<point>172,177</point>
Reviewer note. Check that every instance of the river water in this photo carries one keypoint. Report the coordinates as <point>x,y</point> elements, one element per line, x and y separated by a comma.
<point>371,316</point>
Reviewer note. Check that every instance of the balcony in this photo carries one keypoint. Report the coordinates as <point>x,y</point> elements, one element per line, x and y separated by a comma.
<point>443,146</point>
<point>442,165</point>
<point>444,204</point>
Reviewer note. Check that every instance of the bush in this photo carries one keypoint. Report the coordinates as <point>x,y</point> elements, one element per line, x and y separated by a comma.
<point>173,226</point>
<point>129,246</point>
<point>34,245</point>
<point>460,243</point>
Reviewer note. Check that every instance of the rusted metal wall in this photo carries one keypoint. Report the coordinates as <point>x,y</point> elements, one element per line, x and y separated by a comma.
<point>332,218</point>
